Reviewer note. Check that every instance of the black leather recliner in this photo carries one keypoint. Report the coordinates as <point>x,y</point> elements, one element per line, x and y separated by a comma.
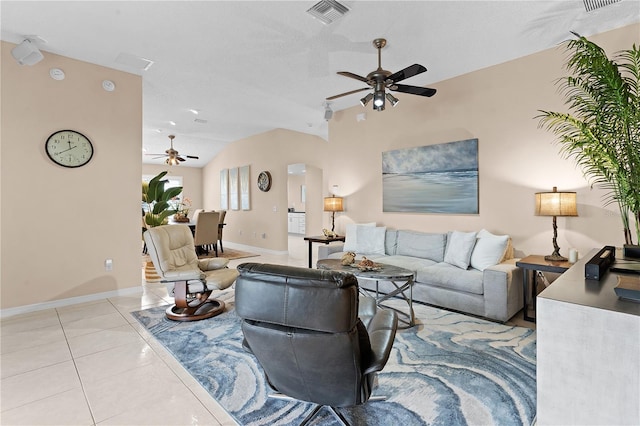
<point>303,326</point>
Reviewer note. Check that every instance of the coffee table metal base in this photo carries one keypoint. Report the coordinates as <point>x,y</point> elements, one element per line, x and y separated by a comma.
<point>400,289</point>
<point>400,278</point>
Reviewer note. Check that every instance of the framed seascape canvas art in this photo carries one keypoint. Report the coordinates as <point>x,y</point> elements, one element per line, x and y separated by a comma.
<point>224,189</point>
<point>244,188</point>
<point>440,178</point>
<point>233,188</point>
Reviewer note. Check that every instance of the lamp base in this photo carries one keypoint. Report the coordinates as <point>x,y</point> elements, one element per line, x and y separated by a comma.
<point>555,258</point>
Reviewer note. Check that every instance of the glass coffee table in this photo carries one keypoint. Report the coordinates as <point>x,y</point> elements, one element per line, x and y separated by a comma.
<point>401,278</point>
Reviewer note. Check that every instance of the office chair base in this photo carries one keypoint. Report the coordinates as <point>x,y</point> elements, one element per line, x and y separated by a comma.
<point>341,419</point>
<point>209,308</point>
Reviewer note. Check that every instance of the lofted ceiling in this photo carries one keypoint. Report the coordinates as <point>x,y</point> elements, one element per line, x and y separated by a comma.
<point>251,66</point>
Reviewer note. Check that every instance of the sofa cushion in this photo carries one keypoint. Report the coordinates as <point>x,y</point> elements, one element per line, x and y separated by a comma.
<point>459,248</point>
<point>351,236</point>
<point>489,250</point>
<point>451,277</point>
<point>370,239</point>
<point>421,244</point>
<point>391,242</point>
<point>407,262</point>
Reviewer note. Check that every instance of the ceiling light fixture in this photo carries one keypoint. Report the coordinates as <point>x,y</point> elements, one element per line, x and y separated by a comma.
<point>173,123</point>
<point>392,99</point>
<point>364,101</point>
<point>378,100</point>
<point>172,161</point>
<point>194,111</point>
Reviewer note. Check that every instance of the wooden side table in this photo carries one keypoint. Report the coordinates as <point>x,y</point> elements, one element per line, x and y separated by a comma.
<point>320,239</point>
<point>536,263</point>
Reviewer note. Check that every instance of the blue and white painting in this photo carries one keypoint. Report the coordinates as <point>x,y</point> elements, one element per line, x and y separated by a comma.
<point>440,178</point>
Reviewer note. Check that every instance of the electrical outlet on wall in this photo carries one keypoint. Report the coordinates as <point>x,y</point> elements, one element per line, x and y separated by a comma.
<point>108,265</point>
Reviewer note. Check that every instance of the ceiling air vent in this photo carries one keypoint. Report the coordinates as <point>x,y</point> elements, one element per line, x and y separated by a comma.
<point>596,4</point>
<point>200,121</point>
<point>327,11</point>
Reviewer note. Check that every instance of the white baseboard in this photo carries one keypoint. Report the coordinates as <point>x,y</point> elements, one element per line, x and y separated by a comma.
<point>253,249</point>
<point>9,312</point>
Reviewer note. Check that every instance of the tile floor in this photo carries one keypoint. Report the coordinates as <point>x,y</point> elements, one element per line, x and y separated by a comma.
<point>93,364</point>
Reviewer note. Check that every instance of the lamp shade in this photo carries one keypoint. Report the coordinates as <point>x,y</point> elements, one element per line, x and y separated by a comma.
<point>332,204</point>
<point>556,203</point>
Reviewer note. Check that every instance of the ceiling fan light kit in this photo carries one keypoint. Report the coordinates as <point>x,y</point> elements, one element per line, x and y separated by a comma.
<point>382,80</point>
<point>173,157</point>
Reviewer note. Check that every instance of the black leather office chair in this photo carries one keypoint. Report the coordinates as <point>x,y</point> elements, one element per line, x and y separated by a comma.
<point>303,326</point>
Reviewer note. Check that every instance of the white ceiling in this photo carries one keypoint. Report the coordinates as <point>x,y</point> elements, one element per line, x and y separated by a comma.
<point>252,66</point>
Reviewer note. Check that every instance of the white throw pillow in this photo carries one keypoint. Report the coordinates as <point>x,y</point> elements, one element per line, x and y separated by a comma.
<point>459,248</point>
<point>351,236</point>
<point>489,250</point>
<point>370,239</point>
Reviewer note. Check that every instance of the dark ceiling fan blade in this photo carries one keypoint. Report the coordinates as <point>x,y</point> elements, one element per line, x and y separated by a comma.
<point>180,158</point>
<point>409,71</point>
<point>193,157</point>
<point>348,93</point>
<point>352,75</point>
<point>414,90</point>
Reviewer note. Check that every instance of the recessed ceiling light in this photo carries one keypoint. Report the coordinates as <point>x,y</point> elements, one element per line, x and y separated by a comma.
<point>173,123</point>
<point>195,111</point>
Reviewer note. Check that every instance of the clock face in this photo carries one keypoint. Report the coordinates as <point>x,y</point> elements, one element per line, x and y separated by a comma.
<point>264,181</point>
<point>69,148</point>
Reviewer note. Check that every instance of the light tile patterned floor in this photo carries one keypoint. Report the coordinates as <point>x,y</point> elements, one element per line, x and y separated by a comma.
<point>93,364</point>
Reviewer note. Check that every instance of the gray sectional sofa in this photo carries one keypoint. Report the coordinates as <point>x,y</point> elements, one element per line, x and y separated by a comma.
<point>468,272</point>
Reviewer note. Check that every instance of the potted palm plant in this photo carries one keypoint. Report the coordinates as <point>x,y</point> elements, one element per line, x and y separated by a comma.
<point>602,130</point>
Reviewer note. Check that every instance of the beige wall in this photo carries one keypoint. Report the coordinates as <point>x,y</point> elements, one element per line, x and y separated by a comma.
<point>497,105</point>
<point>272,151</point>
<point>294,187</point>
<point>58,225</point>
<point>191,181</point>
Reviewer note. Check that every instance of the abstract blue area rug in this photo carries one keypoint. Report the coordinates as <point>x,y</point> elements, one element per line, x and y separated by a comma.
<point>449,369</point>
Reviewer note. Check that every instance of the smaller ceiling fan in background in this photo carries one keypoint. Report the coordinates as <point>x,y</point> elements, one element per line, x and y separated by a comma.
<point>173,157</point>
<point>380,79</point>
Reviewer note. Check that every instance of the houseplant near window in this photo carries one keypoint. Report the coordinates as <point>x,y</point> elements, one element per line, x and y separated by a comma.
<point>602,129</point>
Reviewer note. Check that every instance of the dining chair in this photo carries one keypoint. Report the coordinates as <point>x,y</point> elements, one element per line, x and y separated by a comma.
<point>206,235</point>
<point>223,214</point>
<point>196,212</point>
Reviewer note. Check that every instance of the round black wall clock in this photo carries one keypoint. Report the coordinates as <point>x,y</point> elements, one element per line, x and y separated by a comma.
<point>69,148</point>
<point>264,181</point>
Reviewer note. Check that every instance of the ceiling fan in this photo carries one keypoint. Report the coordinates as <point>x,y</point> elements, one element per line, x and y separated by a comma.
<point>380,79</point>
<point>173,157</point>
